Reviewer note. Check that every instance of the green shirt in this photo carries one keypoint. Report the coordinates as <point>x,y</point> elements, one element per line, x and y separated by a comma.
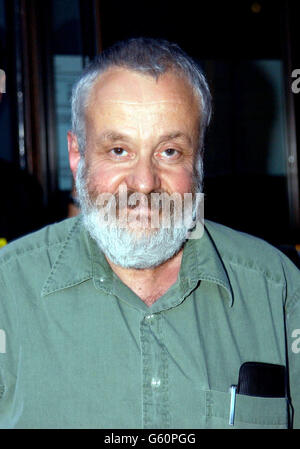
<point>80,350</point>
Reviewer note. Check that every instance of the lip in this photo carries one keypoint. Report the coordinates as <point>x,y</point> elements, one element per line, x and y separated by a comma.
<point>141,211</point>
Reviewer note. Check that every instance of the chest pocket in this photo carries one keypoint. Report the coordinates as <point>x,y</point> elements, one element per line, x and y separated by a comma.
<point>251,412</point>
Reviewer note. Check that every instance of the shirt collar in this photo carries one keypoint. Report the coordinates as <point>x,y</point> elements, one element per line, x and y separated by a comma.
<point>203,261</point>
<point>73,262</point>
<point>80,259</point>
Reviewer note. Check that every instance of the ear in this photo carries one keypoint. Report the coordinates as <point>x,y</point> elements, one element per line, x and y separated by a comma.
<point>74,155</point>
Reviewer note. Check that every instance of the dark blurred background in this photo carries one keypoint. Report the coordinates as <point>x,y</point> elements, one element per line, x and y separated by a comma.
<point>248,51</point>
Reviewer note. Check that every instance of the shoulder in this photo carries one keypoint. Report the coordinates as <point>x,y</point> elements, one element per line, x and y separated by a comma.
<point>232,241</point>
<point>43,240</point>
<point>244,250</point>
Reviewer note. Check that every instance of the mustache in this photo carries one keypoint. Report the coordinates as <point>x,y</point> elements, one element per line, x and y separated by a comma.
<point>135,199</point>
<point>130,199</point>
<point>157,206</point>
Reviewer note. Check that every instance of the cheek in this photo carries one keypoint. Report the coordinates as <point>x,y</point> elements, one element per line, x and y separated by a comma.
<point>103,178</point>
<point>181,182</point>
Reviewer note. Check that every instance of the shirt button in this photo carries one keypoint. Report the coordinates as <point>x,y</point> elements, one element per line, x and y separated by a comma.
<point>101,280</point>
<point>155,382</point>
<point>149,317</point>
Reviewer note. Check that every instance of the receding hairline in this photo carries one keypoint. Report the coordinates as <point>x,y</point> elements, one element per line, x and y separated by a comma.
<point>113,136</point>
<point>172,70</point>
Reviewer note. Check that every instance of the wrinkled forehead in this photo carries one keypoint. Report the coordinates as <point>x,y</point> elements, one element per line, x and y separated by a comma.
<point>123,86</point>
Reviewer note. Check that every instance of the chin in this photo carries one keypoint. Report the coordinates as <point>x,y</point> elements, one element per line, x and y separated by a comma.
<point>135,246</point>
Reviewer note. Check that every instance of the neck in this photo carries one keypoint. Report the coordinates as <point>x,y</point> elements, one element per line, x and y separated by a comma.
<point>150,283</point>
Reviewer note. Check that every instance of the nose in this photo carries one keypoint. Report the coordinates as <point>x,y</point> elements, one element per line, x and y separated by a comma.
<point>144,177</point>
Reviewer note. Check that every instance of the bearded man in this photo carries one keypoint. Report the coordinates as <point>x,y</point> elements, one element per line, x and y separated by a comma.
<point>135,314</point>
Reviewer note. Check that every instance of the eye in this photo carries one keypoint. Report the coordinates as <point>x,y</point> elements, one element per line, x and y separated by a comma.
<point>118,151</point>
<point>170,153</point>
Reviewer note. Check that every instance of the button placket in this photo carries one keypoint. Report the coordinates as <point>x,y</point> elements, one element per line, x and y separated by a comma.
<point>155,373</point>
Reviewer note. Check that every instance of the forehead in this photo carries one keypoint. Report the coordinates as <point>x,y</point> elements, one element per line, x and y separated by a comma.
<point>126,87</point>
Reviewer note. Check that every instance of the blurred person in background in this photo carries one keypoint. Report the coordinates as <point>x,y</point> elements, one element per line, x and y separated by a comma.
<point>22,208</point>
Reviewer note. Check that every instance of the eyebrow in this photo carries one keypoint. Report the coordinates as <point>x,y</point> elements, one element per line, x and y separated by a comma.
<point>175,135</point>
<point>113,136</point>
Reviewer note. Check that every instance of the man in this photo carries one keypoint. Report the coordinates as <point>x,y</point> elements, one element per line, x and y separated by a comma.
<point>117,319</point>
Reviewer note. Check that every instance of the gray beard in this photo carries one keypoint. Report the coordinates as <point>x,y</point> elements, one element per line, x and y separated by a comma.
<point>122,245</point>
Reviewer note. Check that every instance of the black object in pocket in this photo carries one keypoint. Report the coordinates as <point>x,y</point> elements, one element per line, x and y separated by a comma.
<point>262,379</point>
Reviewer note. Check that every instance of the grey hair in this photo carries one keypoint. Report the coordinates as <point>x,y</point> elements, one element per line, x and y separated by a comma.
<point>149,56</point>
